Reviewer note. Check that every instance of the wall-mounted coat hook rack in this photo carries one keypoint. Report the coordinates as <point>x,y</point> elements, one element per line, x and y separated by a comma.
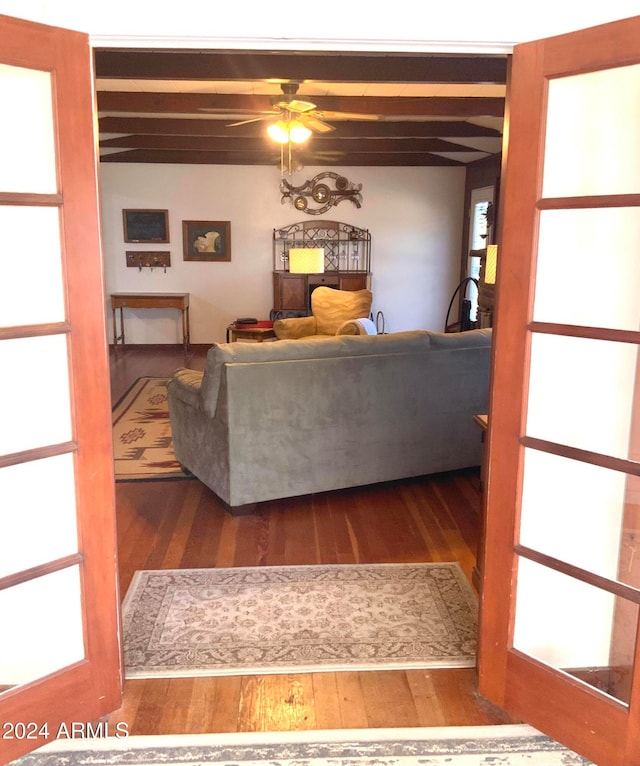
<point>151,259</point>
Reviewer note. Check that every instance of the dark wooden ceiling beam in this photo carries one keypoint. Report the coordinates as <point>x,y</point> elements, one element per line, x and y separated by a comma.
<point>126,101</point>
<point>357,159</point>
<point>205,143</point>
<point>324,67</point>
<point>406,134</point>
<point>195,127</point>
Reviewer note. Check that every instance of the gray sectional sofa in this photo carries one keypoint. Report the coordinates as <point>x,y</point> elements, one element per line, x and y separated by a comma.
<point>292,417</point>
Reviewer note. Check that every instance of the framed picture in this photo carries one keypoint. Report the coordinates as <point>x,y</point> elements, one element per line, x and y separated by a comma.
<point>146,225</point>
<point>206,240</point>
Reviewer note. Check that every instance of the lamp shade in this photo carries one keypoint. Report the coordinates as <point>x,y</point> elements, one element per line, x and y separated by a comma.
<point>491,264</point>
<point>306,260</point>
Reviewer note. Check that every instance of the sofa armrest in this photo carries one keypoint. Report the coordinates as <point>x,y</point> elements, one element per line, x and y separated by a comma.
<point>185,386</point>
<point>295,327</point>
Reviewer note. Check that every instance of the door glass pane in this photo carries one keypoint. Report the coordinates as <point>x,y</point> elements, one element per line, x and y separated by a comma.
<point>581,514</point>
<point>40,495</point>
<point>35,408</point>
<point>575,627</point>
<point>27,146</point>
<point>591,144</point>
<point>581,393</point>
<point>589,268</point>
<point>31,263</point>
<point>48,635</point>
<point>480,222</point>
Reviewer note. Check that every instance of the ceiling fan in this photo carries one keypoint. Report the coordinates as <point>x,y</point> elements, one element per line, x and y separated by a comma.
<point>288,107</point>
<point>309,155</point>
<point>293,160</point>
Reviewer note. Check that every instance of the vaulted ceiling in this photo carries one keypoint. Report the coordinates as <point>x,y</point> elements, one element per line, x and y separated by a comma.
<point>180,106</point>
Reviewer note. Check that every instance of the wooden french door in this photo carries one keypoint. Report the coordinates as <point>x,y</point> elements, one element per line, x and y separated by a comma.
<point>59,635</point>
<point>561,591</point>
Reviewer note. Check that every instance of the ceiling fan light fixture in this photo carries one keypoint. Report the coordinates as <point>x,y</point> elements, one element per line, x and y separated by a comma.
<point>285,131</point>
<point>278,131</point>
<point>298,133</point>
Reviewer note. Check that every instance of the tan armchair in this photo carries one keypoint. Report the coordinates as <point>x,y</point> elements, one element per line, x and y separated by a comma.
<point>332,312</point>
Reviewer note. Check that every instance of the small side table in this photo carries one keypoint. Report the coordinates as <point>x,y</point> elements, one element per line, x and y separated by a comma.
<point>476,575</point>
<point>259,332</point>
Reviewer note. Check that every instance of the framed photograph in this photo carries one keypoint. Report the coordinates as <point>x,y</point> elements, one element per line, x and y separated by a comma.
<point>206,240</point>
<point>146,225</point>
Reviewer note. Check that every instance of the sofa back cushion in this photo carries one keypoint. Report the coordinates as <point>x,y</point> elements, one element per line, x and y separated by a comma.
<point>284,350</point>
<point>333,307</point>
<point>331,346</point>
<point>469,339</point>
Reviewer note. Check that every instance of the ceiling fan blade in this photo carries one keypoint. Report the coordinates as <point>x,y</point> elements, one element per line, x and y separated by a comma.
<point>328,155</point>
<point>350,116</point>
<point>253,119</point>
<point>296,105</point>
<point>318,126</point>
<point>232,112</point>
<point>218,110</point>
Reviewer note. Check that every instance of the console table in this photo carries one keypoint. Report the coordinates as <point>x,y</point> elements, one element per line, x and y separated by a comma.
<point>150,301</point>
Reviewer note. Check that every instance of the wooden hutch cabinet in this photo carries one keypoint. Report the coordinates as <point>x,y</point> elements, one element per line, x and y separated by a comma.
<point>347,263</point>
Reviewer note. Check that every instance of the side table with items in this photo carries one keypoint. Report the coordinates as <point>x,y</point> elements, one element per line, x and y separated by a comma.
<point>251,329</point>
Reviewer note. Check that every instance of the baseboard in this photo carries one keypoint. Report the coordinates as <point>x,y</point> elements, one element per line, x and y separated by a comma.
<point>159,346</point>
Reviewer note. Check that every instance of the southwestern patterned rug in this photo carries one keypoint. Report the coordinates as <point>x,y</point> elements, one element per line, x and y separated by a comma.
<point>439,746</point>
<point>142,441</point>
<point>296,619</point>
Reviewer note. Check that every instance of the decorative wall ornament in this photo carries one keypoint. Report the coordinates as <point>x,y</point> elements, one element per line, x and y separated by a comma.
<point>315,191</point>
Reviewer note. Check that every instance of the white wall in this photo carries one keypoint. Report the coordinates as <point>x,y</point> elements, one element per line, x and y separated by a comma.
<point>414,216</point>
<point>463,25</point>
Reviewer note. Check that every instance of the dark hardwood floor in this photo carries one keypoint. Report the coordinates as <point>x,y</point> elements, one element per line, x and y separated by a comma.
<point>181,524</point>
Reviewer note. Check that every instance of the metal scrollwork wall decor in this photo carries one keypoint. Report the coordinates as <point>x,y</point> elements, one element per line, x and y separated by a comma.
<point>319,192</point>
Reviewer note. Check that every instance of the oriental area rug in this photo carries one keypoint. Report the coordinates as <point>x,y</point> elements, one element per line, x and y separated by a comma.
<point>515,745</point>
<point>142,442</point>
<point>295,619</point>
